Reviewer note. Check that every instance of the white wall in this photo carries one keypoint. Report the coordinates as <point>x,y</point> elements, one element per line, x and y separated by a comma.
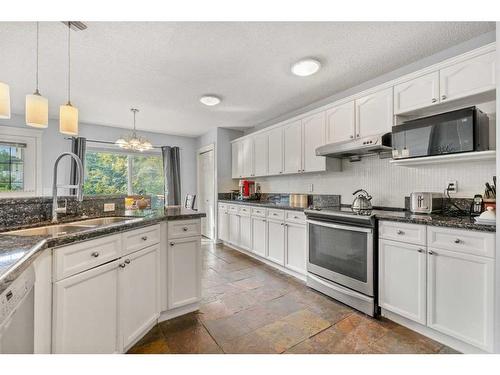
<point>53,143</point>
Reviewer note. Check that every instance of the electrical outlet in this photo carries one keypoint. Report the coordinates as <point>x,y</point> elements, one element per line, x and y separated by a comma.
<point>452,186</point>
<point>311,188</point>
<point>109,207</point>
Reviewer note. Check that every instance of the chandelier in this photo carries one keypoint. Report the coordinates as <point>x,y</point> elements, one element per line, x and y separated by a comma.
<point>132,141</point>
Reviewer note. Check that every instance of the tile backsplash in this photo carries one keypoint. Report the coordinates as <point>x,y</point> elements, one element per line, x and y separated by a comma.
<point>388,184</point>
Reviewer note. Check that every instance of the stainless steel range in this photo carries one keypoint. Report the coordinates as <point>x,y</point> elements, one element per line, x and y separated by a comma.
<point>342,256</point>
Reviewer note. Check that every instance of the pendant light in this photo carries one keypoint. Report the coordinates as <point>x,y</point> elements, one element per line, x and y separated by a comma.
<point>4,101</point>
<point>68,115</point>
<point>132,141</point>
<point>37,107</point>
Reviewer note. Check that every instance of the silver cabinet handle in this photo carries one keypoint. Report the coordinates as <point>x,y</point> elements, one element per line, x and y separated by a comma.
<point>95,254</point>
<point>430,252</point>
<point>127,261</point>
<point>351,136</point>
<point>420,250</point>
<point>400,231</point>
<point>434,100</point>
<point>443,97</point>
<point>172,243</point>
<point>300,170</point>
<point>144,238</point>
<point>185,229</point>
<point>357,135</point>
<point>122,265</point>
<point>264,220</point>
<point>458,240</point>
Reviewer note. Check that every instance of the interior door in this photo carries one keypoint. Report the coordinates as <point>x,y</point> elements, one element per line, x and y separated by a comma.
<point>206,202</point>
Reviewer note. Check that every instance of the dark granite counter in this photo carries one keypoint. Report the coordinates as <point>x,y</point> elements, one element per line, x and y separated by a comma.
<point>438,220</point>
<point>267,204</point>
<point>18,252</point>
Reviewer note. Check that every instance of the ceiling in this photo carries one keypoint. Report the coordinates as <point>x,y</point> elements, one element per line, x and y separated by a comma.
<point>163,68</point>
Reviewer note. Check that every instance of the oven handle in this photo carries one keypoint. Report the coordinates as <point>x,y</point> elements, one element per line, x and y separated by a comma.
<point>338,226</point>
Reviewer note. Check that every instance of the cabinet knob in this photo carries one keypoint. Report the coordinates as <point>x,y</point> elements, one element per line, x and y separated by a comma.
<point>430,252</point>
<point>434,100</point>
<point>400,231</point>
<point>443,97</point>
<point>122,265</point>
<point>185,229</point>
<point>420,250</point>
<point>95,254</point>
<point>172,243</point>
<point>357,135</point>
<point>144,238</point>
<point>351,136</point>
<point>127,261</point>
<point>300,170</point>
<point>458,240</point>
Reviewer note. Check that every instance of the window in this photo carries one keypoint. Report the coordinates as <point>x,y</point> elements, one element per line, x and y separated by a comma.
<point>109,172</point>
<point>20,162</point>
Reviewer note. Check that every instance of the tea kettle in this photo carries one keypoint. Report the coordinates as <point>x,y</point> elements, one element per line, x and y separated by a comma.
<point>362,202</point>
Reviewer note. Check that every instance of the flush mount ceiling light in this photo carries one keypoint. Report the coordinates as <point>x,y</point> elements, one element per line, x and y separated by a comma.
<point>68,115</point>
<point>210,100</point>
<point>4,100</point>
<point>134,142</point>
<point>37,107</point>
<point>306,67</point>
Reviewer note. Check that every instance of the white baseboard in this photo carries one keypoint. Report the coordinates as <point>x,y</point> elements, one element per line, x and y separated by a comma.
<point>435,335</point>
<point>174,313</point>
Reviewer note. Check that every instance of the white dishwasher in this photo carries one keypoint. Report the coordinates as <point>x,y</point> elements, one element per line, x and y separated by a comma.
<point>17,315</point>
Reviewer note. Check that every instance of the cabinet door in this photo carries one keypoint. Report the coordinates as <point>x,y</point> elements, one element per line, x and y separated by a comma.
<point>184,271</point>
<point>235,160</point>
<point>234,229</point>
<point>418,93</point>
<point>85,312</point>
<point>340,123</point>
<point>259,236</point>
<point>296,247</point>
<point>402,279</point>
<point>275,151</point>
<point>460,296</point>
<point>292,145</point>
<point>276,241</point>
<point>247,157</point>
<point>314,129</point>
<point>139,292</point>
<point>374,114</point>
<point>245,232</point>
<point>470,77</point>
<point>223,225</point>
<point>260,156</point>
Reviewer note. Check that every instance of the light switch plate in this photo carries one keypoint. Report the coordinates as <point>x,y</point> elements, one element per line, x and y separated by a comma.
<point>311,188</point>
<point>109,207</point>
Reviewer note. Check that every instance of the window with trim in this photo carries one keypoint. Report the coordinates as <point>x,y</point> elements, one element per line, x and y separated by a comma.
<point>109,172</point>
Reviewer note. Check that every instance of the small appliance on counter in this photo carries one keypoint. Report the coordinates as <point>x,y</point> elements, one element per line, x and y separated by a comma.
<point>299,200</point>
<point>488,217</point>
<point>247,189</point>
<point>477,205</point>
<point>362,203</point>
<point>425,202</point>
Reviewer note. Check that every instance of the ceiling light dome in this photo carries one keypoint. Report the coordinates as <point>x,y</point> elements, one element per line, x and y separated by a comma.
<point>306,67</point>
<point>210,100</point>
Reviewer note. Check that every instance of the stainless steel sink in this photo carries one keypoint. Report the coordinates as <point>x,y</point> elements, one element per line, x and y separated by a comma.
<point>74,227</point>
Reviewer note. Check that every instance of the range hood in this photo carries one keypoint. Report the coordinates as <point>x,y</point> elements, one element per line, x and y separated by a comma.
<point>361,146</point>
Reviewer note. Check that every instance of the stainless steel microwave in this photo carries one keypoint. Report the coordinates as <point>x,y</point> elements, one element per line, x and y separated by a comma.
<point>464,130</point>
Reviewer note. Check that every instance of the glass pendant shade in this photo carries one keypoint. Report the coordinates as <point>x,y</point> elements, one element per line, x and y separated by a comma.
<point>133,141</point>
<point>4,100</point>
<point>68,119</point>
<point>37,111</point>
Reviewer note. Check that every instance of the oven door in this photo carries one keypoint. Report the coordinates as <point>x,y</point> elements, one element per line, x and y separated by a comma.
<point>342,254</point>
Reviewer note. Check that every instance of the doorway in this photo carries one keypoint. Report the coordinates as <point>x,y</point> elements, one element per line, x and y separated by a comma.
<point>206,189</point>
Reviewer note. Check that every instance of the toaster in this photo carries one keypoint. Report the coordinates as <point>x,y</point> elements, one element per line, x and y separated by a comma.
<point>426,203</point>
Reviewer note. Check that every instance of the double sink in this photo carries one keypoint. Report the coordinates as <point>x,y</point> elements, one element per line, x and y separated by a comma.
<point>74,227</point>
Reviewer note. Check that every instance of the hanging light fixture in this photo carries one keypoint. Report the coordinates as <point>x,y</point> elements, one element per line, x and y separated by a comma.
<point>132,141</point>
<point>37,107</point>
<point>68,115</point>
<point>4,100</point>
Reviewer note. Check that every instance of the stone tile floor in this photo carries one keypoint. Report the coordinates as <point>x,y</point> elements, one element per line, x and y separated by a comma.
<point>249,307</point>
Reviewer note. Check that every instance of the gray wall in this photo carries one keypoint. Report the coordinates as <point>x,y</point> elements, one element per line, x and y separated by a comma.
<point>53,143</point>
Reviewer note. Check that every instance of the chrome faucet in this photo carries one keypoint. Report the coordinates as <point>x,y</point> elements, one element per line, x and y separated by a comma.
<point>78,186</point>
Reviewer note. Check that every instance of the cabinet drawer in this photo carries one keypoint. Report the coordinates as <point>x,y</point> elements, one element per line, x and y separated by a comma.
<point>260,212</point>
<point>73,259</point>
<point>295,217</point>
<point>411,233</point>
<point>464,241</point>
<point>232,209</point>
<point>183,229</point>
<point>276,214</point>
<point>140,238</point>
<point>245,210</point>
<point>222,206</point>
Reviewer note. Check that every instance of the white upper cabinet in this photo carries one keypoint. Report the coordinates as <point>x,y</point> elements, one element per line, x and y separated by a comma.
<point>275,151</point>
<point>314,129</point>
<point>292,145</point>
<point>374,113</point>
<point>417,93</point>
<point>467,78</point>
<point>261,152</point>
<point>235,160</point>
<point>340,123</point>
<point>246,153</point>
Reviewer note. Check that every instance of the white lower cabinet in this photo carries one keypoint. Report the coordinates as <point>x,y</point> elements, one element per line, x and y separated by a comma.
<point>296,247</point>
<point>259,236</point>
<point>223,227</point>
<point>460,296</point>
<point>184,271</point>
<point>276,241</point>
<point>85,311</point>
<point>402,279</point>
<point>245,232</point>
<point>234,229</point>
<point>139,292</point>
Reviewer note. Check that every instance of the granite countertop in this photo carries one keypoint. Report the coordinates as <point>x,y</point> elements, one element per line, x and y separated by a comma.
<point>267,204</point>
<point>438,220</point>
<point>18,252</point>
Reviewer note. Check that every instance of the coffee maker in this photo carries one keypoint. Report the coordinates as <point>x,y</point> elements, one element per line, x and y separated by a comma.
<point>247,189</point>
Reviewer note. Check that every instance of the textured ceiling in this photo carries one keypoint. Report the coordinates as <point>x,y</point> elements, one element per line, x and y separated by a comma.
<point>163,68</point>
